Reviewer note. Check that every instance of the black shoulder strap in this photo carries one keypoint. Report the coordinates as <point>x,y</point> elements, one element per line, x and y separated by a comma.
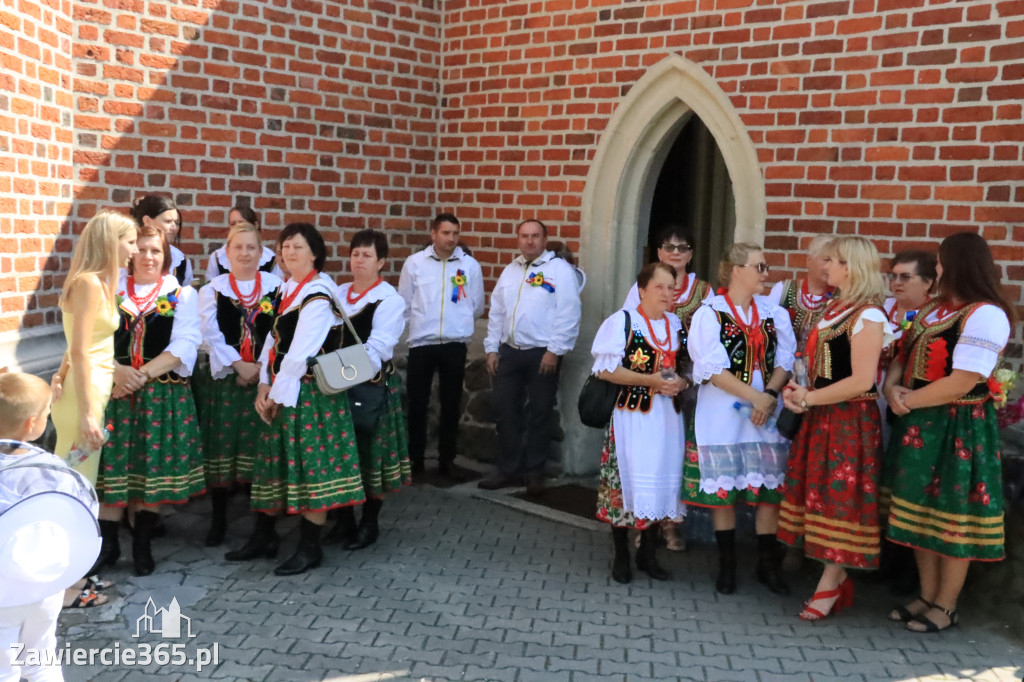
<point>629,325</point>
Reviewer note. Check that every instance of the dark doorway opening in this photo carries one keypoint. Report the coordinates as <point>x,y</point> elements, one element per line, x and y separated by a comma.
<point>693,189</point>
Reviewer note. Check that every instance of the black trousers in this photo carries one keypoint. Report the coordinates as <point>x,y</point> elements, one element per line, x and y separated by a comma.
<point>449,361</point>
<point>524,400</point>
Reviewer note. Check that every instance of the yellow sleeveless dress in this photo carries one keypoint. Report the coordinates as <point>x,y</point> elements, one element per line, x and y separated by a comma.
<point>101,382</point>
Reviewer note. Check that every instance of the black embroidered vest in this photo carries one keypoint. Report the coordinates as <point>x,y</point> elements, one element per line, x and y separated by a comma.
<point>179,272</point>
<point>833,357</point>
<point>735,342</point>
<point>363,322</point>
<point>284,326</point>
<point>232,319</point>
<point>928,351</point>
<point>642,358</point>
<point>804,319</point>
<point>155,330</point>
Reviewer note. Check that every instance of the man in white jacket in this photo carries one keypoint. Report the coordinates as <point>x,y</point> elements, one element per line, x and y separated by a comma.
<point>534,320</point>
<point>444,293</point>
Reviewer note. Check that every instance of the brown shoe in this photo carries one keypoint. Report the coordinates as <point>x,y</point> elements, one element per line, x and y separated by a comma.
<point>534,485</point>
<point>500,481</point>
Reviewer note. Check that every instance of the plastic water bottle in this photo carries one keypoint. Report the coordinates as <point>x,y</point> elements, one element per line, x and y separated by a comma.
<point>746,410</point>
<point>800,370</point>
<point>79,454</point>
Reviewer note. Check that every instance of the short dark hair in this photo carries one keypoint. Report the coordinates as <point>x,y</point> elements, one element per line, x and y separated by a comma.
<point>248,215</point>
<point>543,227</point>
<point>370,237</point>
<point>312,237</point>
<point>647,273</point>
<point>675,230</point>
<point>969,274</point>
<point>444,218</point>
<point>925,261</point>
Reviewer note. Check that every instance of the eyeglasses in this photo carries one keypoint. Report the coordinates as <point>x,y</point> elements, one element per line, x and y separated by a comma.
<point>669,247</point>
<point>761,267</point>
<point>901,276</point>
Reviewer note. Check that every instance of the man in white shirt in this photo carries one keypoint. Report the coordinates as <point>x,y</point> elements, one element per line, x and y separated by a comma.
<point>534,321</point>
<point>443,289</point>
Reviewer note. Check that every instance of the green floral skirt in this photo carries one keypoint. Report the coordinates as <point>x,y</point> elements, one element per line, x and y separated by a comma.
<point>384,456</point>
<point>154,455</point>
<point>307,459</point>
<point>230,426</point>
<point>947,494</point>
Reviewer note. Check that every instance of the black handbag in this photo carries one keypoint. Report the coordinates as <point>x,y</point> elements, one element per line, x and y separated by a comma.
<point>367,401</point>
<point>788,423</point>
<point>597,397</point>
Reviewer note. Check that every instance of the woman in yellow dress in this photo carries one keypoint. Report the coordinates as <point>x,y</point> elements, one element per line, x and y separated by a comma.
<point>89,317</point>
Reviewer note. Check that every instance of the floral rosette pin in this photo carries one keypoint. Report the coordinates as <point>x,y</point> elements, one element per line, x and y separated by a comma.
<point>265,306</point>
<point>536,279</point>
<point>908,320</point>
<point>166,303</point>
<point>1000,385</point>
<point>459,286</point>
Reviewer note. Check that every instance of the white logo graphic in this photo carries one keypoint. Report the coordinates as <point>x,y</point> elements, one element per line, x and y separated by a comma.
<point>164,622</point>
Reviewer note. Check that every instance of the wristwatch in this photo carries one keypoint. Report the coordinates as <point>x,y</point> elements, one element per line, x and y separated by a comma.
<point>772,392</point>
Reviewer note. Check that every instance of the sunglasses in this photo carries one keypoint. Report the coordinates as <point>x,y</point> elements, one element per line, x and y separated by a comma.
<point>669,247</point>
<point>902,276</point>
<point>761,267</point>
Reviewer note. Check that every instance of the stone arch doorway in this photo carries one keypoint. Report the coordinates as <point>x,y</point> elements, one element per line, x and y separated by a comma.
<point>617,201</point>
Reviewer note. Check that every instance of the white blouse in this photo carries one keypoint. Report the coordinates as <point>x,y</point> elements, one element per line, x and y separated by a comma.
<point>388,319</point>
<point>705,340</point>
<point>221,354</point>
<point>984,337</point>
<point>609,344</point>
<point>185,332</point>
<point>315,321</point>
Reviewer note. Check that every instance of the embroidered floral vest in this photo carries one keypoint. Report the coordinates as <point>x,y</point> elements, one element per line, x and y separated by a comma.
<point>735,342</point>
<point>284,326</point>
<point>927,351</point>
<point>642,358</point>
<point>153,328</point>
<point>232,318</point>
<point>685,310</point>
<point>833,357</point>
<point>803,318</point>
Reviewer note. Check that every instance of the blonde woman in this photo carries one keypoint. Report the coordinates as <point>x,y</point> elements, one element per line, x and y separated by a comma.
<point>831,500</point>
<point>89,316</point>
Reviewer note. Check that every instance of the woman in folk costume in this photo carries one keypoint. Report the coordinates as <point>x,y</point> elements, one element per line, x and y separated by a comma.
<point>806,298</point>
<point>154,455</point>
<point>831,498</point>
<point>947,499</point>
<point>742,349</point>
<point>642,459</point>
<point>237,311</point>
<point>220,261</point>
<point>161,212</point>
<point>377,313</point>
<point>676,249</point>
<point>307,462</point>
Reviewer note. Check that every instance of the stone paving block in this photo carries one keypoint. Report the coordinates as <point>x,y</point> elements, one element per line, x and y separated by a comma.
<point>474,672</point>
<point>526,637</point>
<point>587,677</point>
<point>772,665</point>
<point>792,653</point>
<point>901,671</point>
<point>236,671</point>
<point>313,647</point>
<point>784,677</point>
<point>442,672</point>
<point>837,654</point>
<point>642,668</point>
<point>407,654</point>
<point>662,657</point>
<point>277,658</point>
<point>563,650</point>
<point>587,665</point>
<point>478,658</point>
<point>544,676</point>
<point>822,667</point>
<point>341,637</point>
<point>520,662</point>
<point>560,638</point>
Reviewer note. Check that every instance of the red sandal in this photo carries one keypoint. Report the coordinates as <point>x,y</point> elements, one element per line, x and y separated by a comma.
<point>843,595</point>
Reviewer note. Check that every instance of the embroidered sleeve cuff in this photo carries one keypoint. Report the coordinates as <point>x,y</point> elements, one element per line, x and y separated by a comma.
<point>285,390</point>
<point>606,363</point>
<point>221,359</point>
<point>702,372</point>
<point>186,352</point>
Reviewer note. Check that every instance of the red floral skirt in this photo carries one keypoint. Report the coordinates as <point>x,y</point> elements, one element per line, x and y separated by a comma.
<point>831,490</point>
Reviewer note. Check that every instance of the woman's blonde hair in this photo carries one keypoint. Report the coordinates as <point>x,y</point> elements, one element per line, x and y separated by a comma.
<point>96,252</point>
<point>736,254</point>
<point>820,245</point>
<point>864,283</point>
<point>239,228</point>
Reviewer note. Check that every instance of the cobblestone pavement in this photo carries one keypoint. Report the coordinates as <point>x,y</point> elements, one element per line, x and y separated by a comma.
<point>461,588</point>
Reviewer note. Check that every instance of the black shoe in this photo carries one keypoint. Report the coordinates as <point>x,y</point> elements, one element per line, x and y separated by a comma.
<point>263,542</point>
<point>308,553</point>
<point>646,555</point>
<point>500,481</point>
<point>344,529</point>
<point>369,528</point>
<point>621,572</point>
<point>110,551</point>
<point>768,573</point>
<point>725,583</point>
<point>534,485</point>
<point>218,517</point>
<point>449,471</point>
<point>142,554</point>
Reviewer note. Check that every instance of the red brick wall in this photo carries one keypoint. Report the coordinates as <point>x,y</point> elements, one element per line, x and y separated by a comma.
<point>35,155</point>
<point>903,125</point>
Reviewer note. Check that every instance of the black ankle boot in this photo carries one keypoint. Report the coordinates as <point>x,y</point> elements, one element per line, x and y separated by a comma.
<point>621,572</point>
<point>345,529</point>
<point>142,554</point>
<point>110,551</point>
<point>308,553</point>
<point>218,518</point>
<point>726,581</point>
<point>368,528</point>
<point>262,543</point>
<point>768,573</point>
<point>646,556</point>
